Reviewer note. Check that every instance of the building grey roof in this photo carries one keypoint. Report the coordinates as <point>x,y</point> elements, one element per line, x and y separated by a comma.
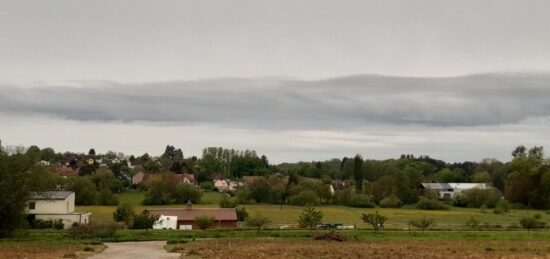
<point>437,186</point>
<point>54,195</point>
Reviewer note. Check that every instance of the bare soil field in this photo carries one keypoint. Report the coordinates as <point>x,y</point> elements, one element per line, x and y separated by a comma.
<point>44,250</point>
<point>362,249</point>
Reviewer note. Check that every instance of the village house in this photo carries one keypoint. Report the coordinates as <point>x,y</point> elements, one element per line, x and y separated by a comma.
<point>225,184</point>
<point>56,206</point>
<point>450,190</point>
<point>337,185</point>
<point>184,219</point>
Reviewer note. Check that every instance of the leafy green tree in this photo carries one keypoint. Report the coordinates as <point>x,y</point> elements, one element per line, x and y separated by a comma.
<point>390,202</point>
<point>85,190</point>
<point>187,192</point>
<point>19,178</point>
<point>159,192</point>
<point>257,221</point>
<point>481,177</point>
<point>310,217</point>
<point>227,202</point>
<point>375,220</point>
<point>124,213</point>
<point>358,172</point>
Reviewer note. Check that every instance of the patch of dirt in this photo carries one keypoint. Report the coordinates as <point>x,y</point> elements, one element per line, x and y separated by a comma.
<point>364,249</point>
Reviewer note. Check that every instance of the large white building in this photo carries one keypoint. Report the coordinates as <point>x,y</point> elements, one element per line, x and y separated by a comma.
<point>450,190</point>
<point>55,206</point>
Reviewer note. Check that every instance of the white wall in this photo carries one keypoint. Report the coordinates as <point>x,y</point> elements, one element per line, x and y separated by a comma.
<point>53,206</point>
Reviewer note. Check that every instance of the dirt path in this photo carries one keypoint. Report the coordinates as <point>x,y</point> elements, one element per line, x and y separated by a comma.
<point>136,250</point>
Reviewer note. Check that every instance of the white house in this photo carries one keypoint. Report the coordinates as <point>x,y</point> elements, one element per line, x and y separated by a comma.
<point>225,185</point>
<point>166,222</point>
<point>450,190</point>
<point>55,206</point>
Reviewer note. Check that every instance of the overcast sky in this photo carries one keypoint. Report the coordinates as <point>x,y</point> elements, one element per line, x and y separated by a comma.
<point>295,80</point>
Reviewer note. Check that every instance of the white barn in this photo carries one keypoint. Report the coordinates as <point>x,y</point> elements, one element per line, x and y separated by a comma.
<point>166,222</point>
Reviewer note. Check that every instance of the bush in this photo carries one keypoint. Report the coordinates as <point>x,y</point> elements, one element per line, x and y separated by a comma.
<point>90,231</point>
<point>207,186</point>
<point>58,224</point>
<point>310,217</point>
<point>504,206</point>
<point>41,224</point>
<point>204,222</point>
<point>227,202</point>
<point>476,198</point>
<point>304,197</point>
<point>143,220</point>
<point>375,220</point>
<point>422,223</point>
<point>390,202</point>
<point>124,213</point>
<point>331,236</point>
<point>242,214</point>
<point>472,223</point>
<point>107,198</point>
<point>361,201</point>
<point>531,223</point>
<point>426,204</point>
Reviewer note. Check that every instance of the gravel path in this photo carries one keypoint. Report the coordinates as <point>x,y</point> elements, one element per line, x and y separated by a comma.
<point>136,250</point>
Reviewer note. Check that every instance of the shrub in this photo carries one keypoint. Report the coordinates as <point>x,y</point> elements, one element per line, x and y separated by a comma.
<point>531,223</point>
<point>204,222</point>
<point>304,197</point>
<point>227,202</point>
<point>207,186</point>
<point>257,221</point>
<point>504,206</point>
<point>361,201</point>
<point>106,197</point>
<point>41,224</point>
<point>58,224</point>
<point>143,220</point>
<point>422,223</point>
<point>242,214</point>
<point>375,220</point>
<point>124,213</point>
<point>426,204</point>
<point>310,217</point>
<point>90,231</point>
<point>390,202</point>
<point>331,236</point>
<point>472,223</point>
<point>476,198</point>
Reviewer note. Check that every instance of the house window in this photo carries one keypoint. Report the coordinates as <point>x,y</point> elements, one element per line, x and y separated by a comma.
<point>32,205</point>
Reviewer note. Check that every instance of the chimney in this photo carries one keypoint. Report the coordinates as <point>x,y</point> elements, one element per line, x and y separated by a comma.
<point>189,205</point>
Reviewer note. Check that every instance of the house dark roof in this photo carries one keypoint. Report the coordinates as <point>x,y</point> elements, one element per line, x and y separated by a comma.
<point>51,195</point>
<point>437,186</point>
<point>190,214</point>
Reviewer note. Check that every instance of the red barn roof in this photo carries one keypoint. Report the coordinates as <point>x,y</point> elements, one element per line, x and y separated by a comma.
<point>190,214</point>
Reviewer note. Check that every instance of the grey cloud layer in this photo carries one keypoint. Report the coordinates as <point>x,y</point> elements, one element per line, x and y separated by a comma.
<point>337,103</point>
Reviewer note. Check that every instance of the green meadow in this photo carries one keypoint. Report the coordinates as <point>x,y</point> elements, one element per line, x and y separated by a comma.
<point>398,218</point>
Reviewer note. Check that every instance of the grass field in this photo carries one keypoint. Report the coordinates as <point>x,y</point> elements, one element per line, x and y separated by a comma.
<point>398,218</point>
